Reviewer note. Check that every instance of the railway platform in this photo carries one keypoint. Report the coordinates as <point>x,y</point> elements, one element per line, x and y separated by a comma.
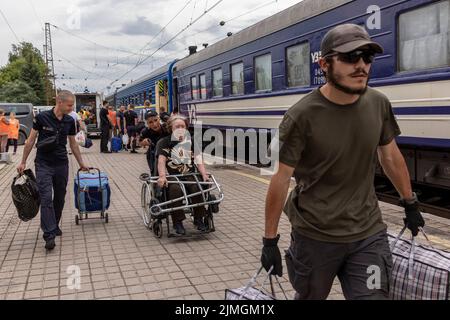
<point>124,260</point>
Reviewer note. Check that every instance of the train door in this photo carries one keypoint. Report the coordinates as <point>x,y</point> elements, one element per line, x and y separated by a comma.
<point>175,101</point>
<point>162,95</point>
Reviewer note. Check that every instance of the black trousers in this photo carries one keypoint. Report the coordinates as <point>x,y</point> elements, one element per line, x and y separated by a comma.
<point>151,161</point>
<point>105,136</point>
<point>52,184</point>
<point>12,142</point>
<point>176,192</point>
<point>363,267</point>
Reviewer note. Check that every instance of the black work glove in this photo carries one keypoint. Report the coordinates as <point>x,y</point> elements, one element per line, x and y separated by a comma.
<point>414,218</point>
<point>271,256</point>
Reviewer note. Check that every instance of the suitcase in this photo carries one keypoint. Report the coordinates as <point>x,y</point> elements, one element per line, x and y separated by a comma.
<point>92,191</point>
<point>116,144</point>
<point>419,272</point>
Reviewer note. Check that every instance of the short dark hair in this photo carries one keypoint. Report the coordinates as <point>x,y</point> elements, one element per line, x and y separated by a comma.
<point>105,103</point>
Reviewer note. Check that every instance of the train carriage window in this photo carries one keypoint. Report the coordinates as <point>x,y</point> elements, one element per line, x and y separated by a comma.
<point>424,37</point>
<point>202,86</point>
<point>237,78</point>
<point>298,65</point>
<point>194,88</point>
<point>217,78</point>
<point>263,73</point>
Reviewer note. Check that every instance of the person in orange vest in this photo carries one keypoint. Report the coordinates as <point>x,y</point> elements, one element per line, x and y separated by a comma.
<point>112,115</point>
<point>13,135</point>
<point>4,130</point>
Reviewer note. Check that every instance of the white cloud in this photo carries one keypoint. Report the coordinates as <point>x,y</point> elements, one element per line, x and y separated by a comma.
<point>126,25</point>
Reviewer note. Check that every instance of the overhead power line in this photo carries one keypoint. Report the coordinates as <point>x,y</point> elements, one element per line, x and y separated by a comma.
<point>168,42</point>
<point>10,28</point>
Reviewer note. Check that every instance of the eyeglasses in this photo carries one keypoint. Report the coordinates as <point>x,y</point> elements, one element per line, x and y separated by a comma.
<point>354,56</point>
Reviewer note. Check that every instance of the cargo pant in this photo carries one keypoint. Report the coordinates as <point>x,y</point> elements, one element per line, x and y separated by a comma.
<point>363,267</point>
<point>52,184</point>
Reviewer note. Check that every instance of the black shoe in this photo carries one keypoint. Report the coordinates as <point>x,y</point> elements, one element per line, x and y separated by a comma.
<point>50,244</point>
<point>200,225</point>
<point>133,151</point>
<point>179,228</point>
<point>58,232</point>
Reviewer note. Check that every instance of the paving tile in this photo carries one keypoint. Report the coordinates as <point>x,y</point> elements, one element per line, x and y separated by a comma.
<point>123,260</point>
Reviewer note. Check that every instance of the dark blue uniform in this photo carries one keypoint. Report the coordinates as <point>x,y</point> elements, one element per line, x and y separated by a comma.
<point>52,168</point>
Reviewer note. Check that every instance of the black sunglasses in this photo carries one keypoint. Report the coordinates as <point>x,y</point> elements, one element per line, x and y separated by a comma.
<point>354,56</point>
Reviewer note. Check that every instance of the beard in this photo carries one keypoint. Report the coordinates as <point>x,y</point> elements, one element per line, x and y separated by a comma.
<point>334,79</point>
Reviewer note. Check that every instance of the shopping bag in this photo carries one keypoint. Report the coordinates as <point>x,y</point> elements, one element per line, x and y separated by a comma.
<point>250,292</point>
<point>125,139</point>
<point>80,138</point>
<point>25,195</point>
<point>419,272</point>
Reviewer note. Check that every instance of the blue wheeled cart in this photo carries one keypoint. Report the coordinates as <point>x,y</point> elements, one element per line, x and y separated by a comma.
<point>92,194</point>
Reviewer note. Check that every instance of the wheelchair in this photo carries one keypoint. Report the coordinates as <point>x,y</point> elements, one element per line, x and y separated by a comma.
<point>156,210</point>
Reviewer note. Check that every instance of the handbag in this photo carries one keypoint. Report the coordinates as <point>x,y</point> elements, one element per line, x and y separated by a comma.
<point>250,292</point>
<point>25,195</point>
<point>419,272</point>
<point>49,144</point>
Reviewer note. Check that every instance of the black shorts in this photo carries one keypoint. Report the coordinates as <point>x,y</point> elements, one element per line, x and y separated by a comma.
<point>131,130</point>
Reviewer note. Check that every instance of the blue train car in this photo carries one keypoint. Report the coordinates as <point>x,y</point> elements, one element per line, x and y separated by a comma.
<point>250,79</point>
<point>155,87</point>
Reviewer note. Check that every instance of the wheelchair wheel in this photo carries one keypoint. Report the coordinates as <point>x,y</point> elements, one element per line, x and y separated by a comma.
<point>209,223</point>
<point>147,195</point>
<point>157,228</point>
<point>213,208</point>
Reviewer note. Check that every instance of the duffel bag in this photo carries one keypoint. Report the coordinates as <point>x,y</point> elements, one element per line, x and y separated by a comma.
<point>419,272</point>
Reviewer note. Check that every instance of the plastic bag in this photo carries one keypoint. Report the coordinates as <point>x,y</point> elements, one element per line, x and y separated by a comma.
<point>125,139</point>
<point>80,138</point>
<point>25,195</point>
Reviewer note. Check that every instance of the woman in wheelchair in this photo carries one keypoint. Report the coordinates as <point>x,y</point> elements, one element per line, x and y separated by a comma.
<point>177,155</point>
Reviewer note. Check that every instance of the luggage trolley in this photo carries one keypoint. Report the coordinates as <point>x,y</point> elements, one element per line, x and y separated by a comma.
<point>155,203</point>
<point>92,195</point>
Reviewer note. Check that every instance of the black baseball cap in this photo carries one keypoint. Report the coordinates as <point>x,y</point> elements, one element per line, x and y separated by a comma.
<point>151,114</point>
<point>346,38</point>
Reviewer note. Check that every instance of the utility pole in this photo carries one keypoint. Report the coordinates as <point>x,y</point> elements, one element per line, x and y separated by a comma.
<point>50,74</point>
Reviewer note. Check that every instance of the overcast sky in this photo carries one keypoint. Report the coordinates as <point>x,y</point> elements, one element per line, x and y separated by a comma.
<point>122,32</point>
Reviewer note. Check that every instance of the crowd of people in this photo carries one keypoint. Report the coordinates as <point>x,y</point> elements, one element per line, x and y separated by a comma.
<point>9,132</point>
<point>139,130</point>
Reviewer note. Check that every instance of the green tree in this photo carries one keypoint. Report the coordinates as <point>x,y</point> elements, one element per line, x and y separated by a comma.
<point>18,92</point>
<point>26,65</point>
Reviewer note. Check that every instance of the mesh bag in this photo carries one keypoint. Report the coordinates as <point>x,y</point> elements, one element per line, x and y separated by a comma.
<point>25,195</point>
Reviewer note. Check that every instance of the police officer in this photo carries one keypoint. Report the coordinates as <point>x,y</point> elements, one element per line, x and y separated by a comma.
<point>329,141</point>
<point>52,128</point>
<point>150,136</point>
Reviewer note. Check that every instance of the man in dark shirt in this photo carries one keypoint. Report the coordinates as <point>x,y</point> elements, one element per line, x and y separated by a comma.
<point>131,121</point>
<point>105,126</point>
<point>121,120</point>
<point>52,163</point>
<point>329,141</point>
<point>150,136</point>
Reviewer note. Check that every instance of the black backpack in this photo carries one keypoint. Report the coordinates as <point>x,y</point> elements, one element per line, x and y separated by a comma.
<point>25,195</point>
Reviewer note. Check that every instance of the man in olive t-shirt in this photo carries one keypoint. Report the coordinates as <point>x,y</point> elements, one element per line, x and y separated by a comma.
<point>329,141</point>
